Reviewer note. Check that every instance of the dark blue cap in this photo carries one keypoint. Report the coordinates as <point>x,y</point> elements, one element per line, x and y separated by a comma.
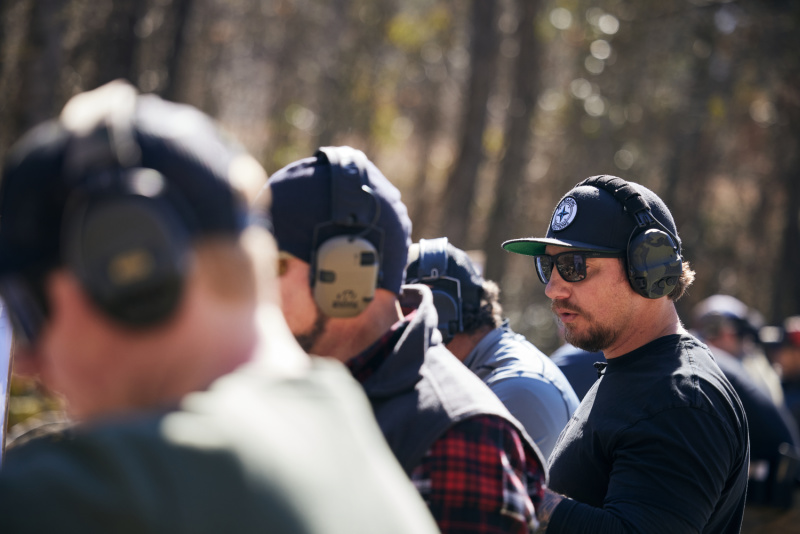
<point>302,205</point>
<point>457,264</point>
<point>590,218</point>
<point>180,142</point>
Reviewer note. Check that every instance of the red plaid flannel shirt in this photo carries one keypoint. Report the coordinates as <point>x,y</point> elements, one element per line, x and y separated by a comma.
<point>478,477</point>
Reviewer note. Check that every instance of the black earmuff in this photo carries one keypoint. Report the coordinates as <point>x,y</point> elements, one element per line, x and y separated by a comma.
<point>654,253</point>
<point>345,267</point>
<point>432,271</point>
<point>122,237</point>
<point>129,252</point>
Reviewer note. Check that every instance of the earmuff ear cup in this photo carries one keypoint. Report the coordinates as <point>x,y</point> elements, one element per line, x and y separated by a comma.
<point>449,311</point>
<point>654,254</point>
<point>130,253</point>
<point>654,263</point>
<point>432,265</point>
<point>345,275</point>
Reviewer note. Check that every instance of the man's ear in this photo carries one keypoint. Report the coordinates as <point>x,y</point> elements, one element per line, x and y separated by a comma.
<point>293,267</point>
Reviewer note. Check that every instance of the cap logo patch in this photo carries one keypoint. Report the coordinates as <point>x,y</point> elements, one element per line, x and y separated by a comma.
<point>564,214</point>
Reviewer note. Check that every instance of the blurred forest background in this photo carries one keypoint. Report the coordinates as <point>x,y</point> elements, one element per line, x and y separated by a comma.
<point>483,113</point>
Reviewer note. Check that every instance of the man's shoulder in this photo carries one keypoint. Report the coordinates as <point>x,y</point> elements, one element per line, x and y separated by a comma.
<point>246,452</point>
<point>518,367</point>
<point>453,382</point>
<point>679,372</point>
<point>504,348</point>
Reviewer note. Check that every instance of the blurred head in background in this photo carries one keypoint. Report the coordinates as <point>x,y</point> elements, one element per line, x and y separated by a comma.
<point>467,304</point>
<point>121,255</point>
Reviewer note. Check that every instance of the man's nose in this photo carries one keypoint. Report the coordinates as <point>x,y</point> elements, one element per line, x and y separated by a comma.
<point>556,287</point>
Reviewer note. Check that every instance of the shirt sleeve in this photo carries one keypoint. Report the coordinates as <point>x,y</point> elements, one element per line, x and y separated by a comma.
<point>539,406</point>
<point>479,477</point>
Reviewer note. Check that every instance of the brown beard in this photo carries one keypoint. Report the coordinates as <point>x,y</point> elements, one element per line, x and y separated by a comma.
<point>596,339</point>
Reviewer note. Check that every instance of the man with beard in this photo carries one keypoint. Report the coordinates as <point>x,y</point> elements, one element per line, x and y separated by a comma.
<point>139,295</point>
<point>343,235</point>
<point>660,442</point>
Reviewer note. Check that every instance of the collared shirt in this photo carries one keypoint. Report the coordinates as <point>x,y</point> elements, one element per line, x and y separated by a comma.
<point>478,476</point>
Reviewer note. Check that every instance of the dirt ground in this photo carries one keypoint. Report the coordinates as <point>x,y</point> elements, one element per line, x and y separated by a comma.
<point>762,520</point>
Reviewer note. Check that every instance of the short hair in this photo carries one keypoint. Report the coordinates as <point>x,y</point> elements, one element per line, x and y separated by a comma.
<point>684,281</point>
<point>486,312</point>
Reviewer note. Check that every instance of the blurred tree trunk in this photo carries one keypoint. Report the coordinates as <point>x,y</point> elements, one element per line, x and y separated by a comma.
<point>293,27</point>
<point>786,289</point>
<point>215,34</point>
<point>694,155</point>
<point>428,116</point>
<point>517,139</point>
<point>427,121</point>
<point>15,26</point>
<point>107,45</point>
<point>782,46</point>
<point>337,72</point>
<point>41,64</point>
<point>180,11</point>
<point>461,185</point>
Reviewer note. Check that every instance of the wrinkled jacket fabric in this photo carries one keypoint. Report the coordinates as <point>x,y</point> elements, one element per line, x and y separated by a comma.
<point>422,390</point>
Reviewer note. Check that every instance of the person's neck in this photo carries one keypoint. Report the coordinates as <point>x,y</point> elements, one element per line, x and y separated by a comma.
<point>661,320</point>
<point>220,339</point>
<point>345,338</point>
<point>463,344</point>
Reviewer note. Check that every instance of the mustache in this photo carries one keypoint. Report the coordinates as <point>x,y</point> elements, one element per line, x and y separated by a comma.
<point>563,306</point>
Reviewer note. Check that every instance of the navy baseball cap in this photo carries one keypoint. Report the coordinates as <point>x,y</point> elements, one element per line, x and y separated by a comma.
<point>45,168</point>
<point>590,218</point>
<point>458,265</point>
<point>302,203</point>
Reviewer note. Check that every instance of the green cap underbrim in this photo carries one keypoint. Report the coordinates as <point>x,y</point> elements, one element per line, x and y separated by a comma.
<point>532,246</point>
<point>525,246</point>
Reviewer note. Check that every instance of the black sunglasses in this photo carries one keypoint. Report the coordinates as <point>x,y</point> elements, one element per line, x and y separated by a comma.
<point>571,265</point>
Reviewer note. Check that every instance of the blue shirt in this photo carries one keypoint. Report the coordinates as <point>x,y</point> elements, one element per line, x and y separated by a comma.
<point>531,386</point>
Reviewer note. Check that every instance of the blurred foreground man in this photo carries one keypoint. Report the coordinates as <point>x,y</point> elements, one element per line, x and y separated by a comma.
<point>660,442</point>
<point>471,321</point>
<point>130,279</point>
<point>344,234</point>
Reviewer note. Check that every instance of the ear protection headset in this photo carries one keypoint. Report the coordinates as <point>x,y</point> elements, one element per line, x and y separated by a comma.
<point>654,253</point>
<point>345,268</point>
<point>432,271</point>
<point>121,237</point>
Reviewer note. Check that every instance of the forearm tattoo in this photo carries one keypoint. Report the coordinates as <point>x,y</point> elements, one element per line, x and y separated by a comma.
<point>545,510</point>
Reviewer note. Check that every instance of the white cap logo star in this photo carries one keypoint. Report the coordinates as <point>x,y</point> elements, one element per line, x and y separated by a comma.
<point>564,214</point>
